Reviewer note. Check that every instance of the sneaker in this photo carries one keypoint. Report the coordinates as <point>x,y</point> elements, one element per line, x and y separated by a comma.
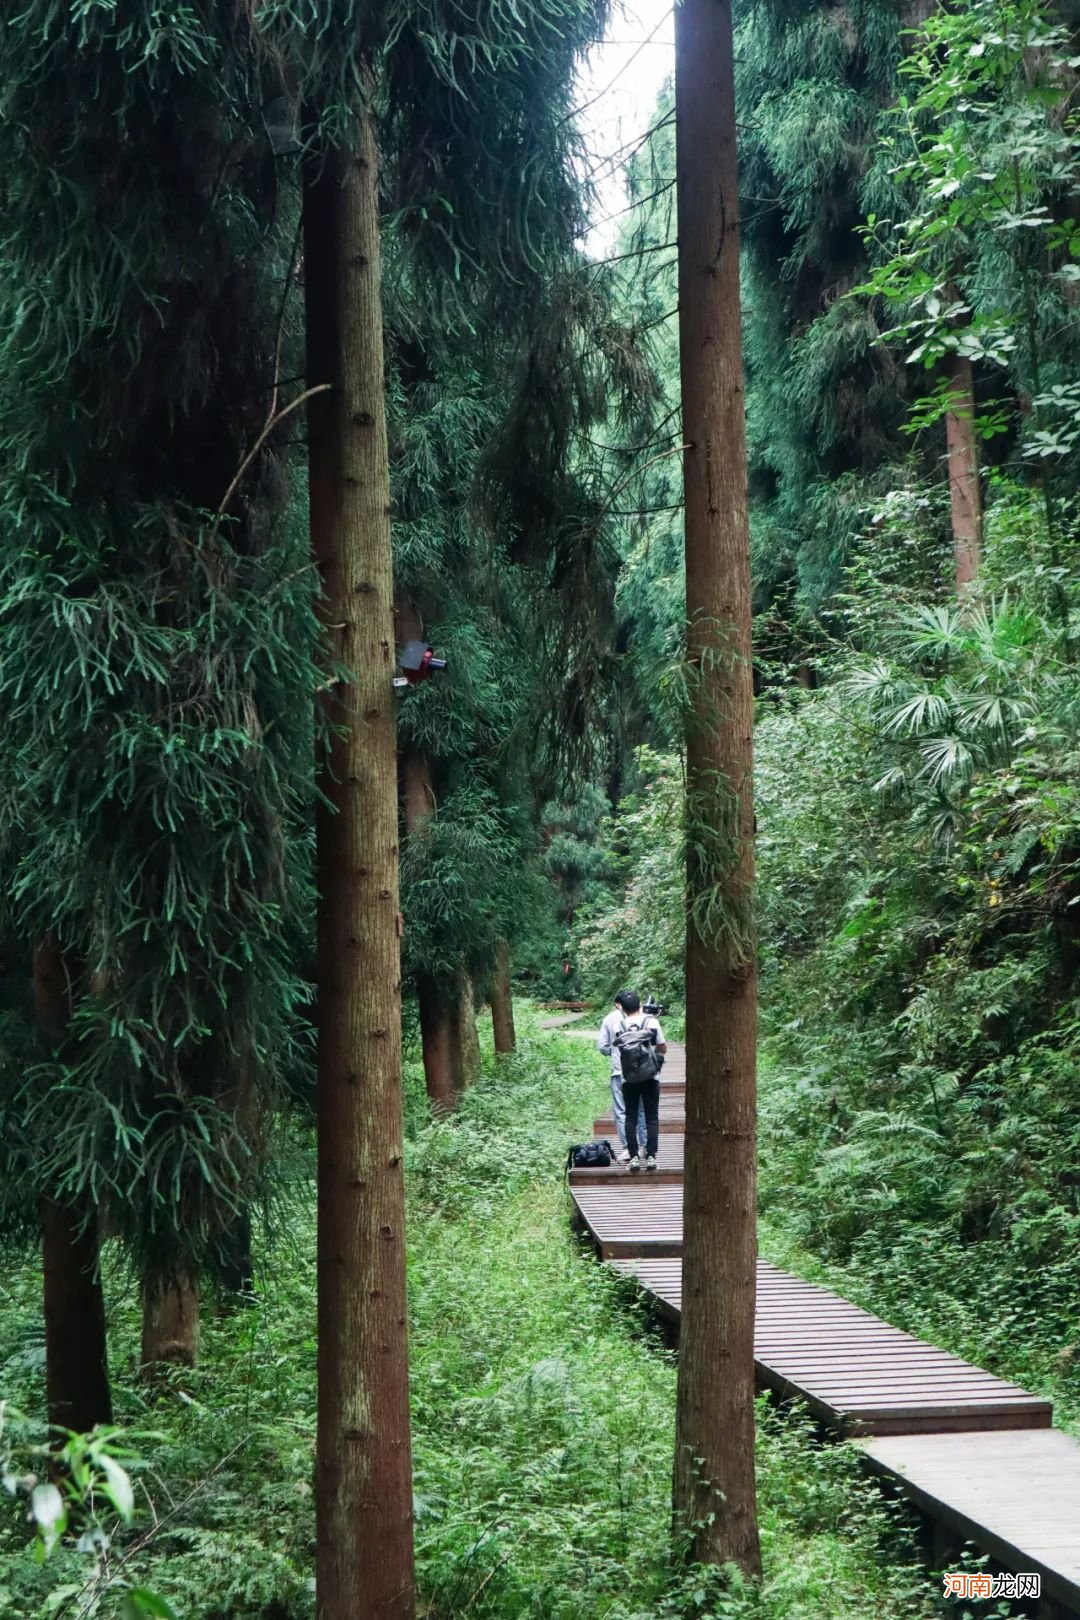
<point>624,1157</point>
<point>650,1162</point>
<point>635,1163</point>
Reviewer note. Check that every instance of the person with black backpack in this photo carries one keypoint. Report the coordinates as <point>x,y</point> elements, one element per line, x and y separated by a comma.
<point>635,1043</point>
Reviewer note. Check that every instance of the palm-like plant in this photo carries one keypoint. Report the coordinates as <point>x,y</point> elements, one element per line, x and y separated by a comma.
<point>957,691</point>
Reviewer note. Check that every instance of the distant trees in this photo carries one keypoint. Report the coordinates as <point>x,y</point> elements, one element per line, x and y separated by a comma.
<point>978,261</point>
<point>465,843</point>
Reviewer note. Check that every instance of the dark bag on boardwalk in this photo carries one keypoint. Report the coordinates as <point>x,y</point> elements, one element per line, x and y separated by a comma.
<point>637,1052</point>
<point>590,1156</point>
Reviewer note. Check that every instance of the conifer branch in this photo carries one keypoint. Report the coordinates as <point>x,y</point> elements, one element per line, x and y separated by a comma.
<point>636,253</point>
<point>271,424</point>
<point>638,202</point>
<point>630,148</point>
<point>577,111</point>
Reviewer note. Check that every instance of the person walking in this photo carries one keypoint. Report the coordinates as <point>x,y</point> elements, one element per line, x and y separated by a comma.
<point>633,1040</point>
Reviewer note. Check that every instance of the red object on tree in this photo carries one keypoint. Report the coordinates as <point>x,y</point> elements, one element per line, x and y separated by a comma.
<point>418,661</point>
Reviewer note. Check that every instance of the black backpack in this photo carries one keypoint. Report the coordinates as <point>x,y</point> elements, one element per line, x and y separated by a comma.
<point>637,1052</point>
<point>590,1156</point>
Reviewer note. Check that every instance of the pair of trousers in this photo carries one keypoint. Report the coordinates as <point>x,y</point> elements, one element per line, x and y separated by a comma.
<point>619,1110</point>
<point>644,1094</point>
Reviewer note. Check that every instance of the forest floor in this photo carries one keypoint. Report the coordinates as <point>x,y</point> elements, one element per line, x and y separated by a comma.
<point>543,1413</point>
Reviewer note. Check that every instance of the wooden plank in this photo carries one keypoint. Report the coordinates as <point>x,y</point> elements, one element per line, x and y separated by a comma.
<point>615,1247</point>
<point>1016,1495</point>
<point>665,1176</point>
<point>670,1125</point>
<point>855,1371</point>
<point>867,1362</point>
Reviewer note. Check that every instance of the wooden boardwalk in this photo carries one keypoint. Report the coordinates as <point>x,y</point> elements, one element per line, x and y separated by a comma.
<point>973,1451</point>
<point>1016,1495</point>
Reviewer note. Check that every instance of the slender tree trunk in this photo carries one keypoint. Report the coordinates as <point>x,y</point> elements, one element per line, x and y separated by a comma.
<point>436,1023</point>
<point>466,1039</point>
<point>170,1324</point>
<point>714,1490</point>
<point>965,495</point>
<point>237,1266</point>
<point>437,1040</point>
<point>76,1359</point>
<point>502,1002</point>
<point>76,1355</point>
<point>364,1516</point>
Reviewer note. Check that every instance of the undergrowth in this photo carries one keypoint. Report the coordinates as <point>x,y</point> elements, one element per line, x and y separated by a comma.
<point>985,1300</point>
<point>543,1416</point>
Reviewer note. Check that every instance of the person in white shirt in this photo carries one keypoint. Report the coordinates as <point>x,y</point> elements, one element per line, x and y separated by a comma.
<point>627,1016</point>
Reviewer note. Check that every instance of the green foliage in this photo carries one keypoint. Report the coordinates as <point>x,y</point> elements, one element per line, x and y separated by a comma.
<point>457,887</point>
<point>824,400</point>
<point>158,649</point>
<point>90,1490</point>
<point>531,1366</point>
<point>920,895</point>
<point>984,147</point>
<point>636,937</point>
<point>157,639</point>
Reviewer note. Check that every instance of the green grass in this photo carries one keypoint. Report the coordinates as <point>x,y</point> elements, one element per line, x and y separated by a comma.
<point>543,1415</point>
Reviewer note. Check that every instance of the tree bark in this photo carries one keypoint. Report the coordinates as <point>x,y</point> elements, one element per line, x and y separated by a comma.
<point>437,1041</point>
<point>170,1323</point>
<point>237,1266</point>
<point>436,1024</point>
<point>965,494</point>
<point>77,1389</point>
<point>76,1358</point>
<point>502,1002</point>
<point>466,1038</point>
<point>714,1488</point>
<point>364,1565</point>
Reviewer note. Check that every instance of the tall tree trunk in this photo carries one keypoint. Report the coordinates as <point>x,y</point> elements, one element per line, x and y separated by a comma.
<point>465,1035</point>
<point>436,1023</point>
<point>437,1040</point>
<point>965,494</point>
<point>76,1359</point>
<point>714,1490</point>
<point>364,1517</point>
<point>76,1355</point>
<point>170,1323</point>
<point>502,1002</point>
<point>236,1264</point>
